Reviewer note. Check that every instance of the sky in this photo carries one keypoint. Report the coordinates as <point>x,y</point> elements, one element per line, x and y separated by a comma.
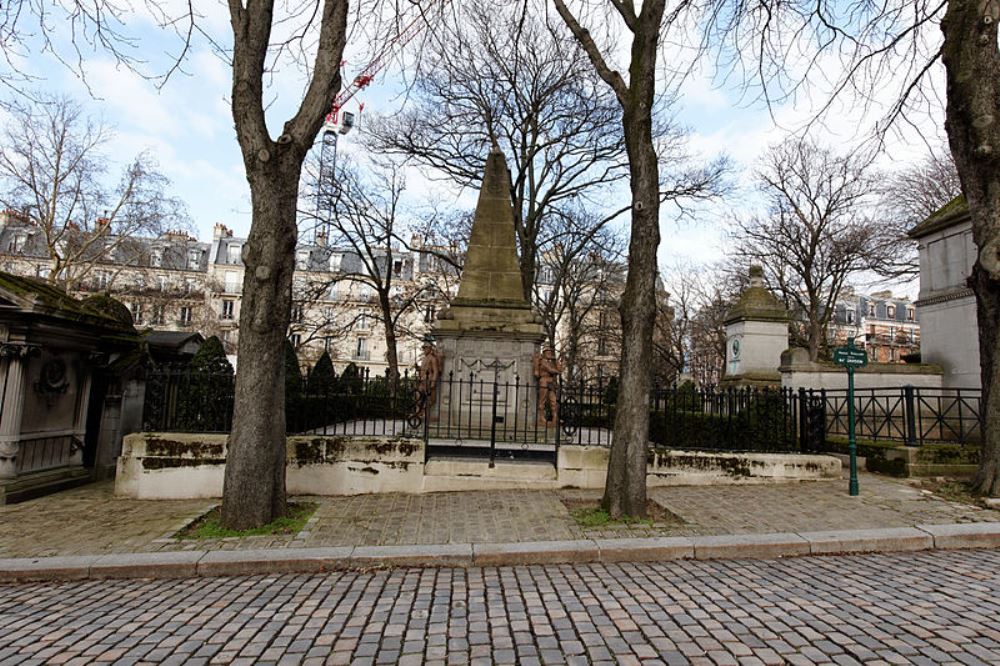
<point>186,126</point>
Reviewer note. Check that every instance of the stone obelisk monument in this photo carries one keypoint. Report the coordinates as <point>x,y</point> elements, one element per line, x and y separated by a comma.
<point>490,332</point>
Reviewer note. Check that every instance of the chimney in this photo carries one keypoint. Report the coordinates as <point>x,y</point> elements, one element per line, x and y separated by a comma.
<point>103,222</point>
<point>320,238</point>
<point>416,241</point>
<point>220,231</point>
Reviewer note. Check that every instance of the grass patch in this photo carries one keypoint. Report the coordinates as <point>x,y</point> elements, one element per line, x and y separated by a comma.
<point>208,527</point>
<point>591,516</point>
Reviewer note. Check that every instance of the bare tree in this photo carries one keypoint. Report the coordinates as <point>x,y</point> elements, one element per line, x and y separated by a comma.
<point>895,49</point>
<point>625,488</point>
<point>701,296</point>
<point>55,173</point>
<point>815,232</point>
<point>370,221</point>
<point>503,77</point>
<point>911,195</point>
<point>580,276</point>
<point>254,487</point>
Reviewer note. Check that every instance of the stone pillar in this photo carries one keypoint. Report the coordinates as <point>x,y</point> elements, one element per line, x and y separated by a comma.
<point>756,335</point>
<point>14,373</point>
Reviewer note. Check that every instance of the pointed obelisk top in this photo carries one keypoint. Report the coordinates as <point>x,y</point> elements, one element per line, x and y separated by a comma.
<point>492,273</point>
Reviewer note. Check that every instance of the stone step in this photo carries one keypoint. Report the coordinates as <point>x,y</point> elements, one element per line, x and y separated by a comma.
<point>36,484</point>
<point>466,473</point>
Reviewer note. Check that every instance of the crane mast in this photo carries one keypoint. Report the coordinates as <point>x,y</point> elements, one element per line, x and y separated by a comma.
<point>340,121</point>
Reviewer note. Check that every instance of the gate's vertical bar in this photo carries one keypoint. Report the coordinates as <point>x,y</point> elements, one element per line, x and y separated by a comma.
<point>493,424</point>
<point>911,417</point>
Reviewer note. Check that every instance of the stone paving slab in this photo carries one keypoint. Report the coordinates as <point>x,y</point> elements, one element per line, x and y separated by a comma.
<point>887,539</point>
<point>582,551</point>
<point>91,521</point>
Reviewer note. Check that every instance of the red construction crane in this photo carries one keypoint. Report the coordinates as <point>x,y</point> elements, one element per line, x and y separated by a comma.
<point>339,121</point>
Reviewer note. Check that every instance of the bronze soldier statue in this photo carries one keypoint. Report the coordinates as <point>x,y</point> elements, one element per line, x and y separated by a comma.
<point>428,373</point>
<point>547,370</point>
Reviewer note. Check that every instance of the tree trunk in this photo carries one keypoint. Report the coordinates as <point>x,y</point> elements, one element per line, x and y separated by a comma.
<point>528,259</point>
<point>815,338</point>
<point>391,347</point>
<point>625,488</point>
<point>254,486</point>
<point>972,65</point>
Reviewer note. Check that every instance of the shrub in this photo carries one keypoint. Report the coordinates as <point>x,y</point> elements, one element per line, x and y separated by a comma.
<point>323,379</point>
<point>205,389</point>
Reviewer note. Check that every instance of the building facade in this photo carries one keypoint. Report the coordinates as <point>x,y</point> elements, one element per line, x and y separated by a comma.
<point>887,326</point>
<point>177,283</point>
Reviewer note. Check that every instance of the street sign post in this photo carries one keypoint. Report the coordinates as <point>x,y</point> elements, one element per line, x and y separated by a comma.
<point>851,357</point>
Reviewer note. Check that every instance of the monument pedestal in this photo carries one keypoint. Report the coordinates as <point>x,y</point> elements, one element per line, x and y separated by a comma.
<point>489,335</point>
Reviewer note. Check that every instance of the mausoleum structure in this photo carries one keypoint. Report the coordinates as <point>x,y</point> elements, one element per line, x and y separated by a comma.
<point>490,335</point>
<point>949,332</point>
<point>756,335</point>
<point>55,352</point>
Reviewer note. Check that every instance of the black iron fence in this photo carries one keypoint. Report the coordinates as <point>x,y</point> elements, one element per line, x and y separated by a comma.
<point>909,414</point>
<point>477,416</point>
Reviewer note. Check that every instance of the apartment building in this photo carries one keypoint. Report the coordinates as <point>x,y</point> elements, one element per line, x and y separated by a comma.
<point>177,283</point>
<point>887,326</point>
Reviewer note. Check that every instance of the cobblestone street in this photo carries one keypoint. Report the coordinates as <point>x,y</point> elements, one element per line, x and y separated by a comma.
<point>931,607</point>
<point>91,520</point>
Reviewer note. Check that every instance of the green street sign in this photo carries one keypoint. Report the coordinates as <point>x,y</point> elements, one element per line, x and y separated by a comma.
<point>850,357</point>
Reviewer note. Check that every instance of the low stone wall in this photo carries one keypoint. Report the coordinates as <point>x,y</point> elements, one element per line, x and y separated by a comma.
<point>185,466</point>
<point>586,467</point>
<point>797,371</point>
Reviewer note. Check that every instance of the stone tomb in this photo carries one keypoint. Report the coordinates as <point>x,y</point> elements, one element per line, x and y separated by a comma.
<point>490,334</point>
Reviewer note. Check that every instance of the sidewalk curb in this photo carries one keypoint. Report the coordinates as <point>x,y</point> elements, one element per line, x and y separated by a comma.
<point>177,564</point>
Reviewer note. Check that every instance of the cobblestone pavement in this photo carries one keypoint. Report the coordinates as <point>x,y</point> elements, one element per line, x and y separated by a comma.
<point>920,608</point>
<point>91,520</point>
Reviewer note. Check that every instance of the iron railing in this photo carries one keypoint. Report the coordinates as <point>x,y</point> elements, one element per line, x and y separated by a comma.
<point>909,414</point>
<point>477,416</point>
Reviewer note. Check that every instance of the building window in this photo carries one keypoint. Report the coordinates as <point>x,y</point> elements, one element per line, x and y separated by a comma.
<point>232,282</point>
<point>850,316</point>
<point>871,309</point>
<point>327,342</point>
<point>185,315</point>
<point>602,346</point>
<point>429,313</point>
<point>102,279</point>
<point>911,314</point>
<point>156,257</point>
<point>194,259</point>
<point>296,339</point>
<point>16,243</point>
<point>335,260</point>
<point>162,281</point>
<point>892,334</point>
<point>234,254</point>
<point>157,319</point>
<point>137,313</point>
<point>363,323</point>
<point>397,267</point>
<point>302,260</point>
<point>890,311</point>
<point>228,307</point>
<point>41,271</point>
<point>361,352</point>
<point>296,313</point>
